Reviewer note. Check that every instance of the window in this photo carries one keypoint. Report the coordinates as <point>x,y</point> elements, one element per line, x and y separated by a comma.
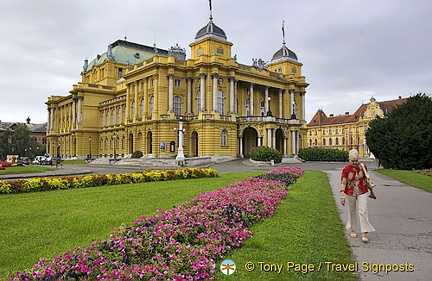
<point>220,102</point>
<point>151,104</point>
<point>200,51</point>
<point>120,72</point>
<point>142,107</point>
<point>177,82</point>
<point>324,142</point>
<point>103,119</point>
<point>247,107</point>
<point>177,105</point>
<point>224,138</point>
<point>113,116</point>
<point>262,108</point>
<point>133,108</point>
<point>119,113</point>
<point>220,51</point>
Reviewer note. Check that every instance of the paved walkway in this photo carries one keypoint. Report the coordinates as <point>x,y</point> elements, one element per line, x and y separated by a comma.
<point>402,217</point>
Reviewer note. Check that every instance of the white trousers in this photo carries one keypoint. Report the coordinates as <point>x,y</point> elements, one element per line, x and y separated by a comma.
<point>361,203</point>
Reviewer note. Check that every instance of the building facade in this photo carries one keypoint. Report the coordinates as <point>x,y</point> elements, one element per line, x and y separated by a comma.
<point>347,131</point>
<point>133,97</point>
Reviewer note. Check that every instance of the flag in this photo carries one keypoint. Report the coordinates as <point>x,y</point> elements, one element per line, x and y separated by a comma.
<point>283,29</point>
<point>210,5</point>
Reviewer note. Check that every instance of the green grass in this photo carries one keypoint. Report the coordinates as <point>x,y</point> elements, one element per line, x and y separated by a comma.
<point>409,177</point>
<point>38,225</point>
<point>306,229</point>
<point>25,170</point>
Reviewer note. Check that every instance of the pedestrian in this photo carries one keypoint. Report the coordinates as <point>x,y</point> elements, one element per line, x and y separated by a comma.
<point>354,193</point>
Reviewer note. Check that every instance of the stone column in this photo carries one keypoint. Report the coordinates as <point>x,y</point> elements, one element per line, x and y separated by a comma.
<point>241,146</point>
<point>74,113</point>
<point>303,110</point>
<point>171,92</point>
<point>189,95</point>
<point>294,142</point>
<point>202,91</point>
<point>269,138</point>
<point>280,103</point>
<point>266,101</point>
<point>80,110</point>
<point>285,146</point>
<point>251,99</point>
<point>232,95</point>
<point>292,102</point>
<point>215,91</point>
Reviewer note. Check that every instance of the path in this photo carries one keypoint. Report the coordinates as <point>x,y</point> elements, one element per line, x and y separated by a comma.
<point>402,217</point>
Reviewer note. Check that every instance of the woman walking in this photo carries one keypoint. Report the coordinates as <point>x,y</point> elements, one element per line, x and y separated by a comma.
<point>354,193</point>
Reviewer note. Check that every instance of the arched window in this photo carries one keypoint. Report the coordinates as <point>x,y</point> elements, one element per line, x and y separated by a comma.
<point>337,141</point>
<point>220,102</point>
<point>224,138</point>
<point>324,142</point>
<point>330,141</point>
<point>103,119</point>
<point>177,105</point>
<point>113,116</point>
<point>133,108</point>
<point>119,113</point>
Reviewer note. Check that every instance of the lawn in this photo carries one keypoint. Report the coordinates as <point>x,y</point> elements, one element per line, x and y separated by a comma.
<point>409,177</point>
<point>305,230</point>
<point>25,169</point>
<point>36,225</point>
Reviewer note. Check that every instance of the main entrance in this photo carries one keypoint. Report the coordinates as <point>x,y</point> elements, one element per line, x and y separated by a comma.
<point>250,140</point>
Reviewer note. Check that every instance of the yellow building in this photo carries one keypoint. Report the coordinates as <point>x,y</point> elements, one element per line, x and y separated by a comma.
<point>347,131</point>
<point>132,97</point>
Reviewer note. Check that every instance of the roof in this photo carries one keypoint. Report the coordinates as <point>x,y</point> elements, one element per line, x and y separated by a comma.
<point>321,119</point>
<point>34,128</point>
<point>211,30</point>
<point>283,54</point>
<point>126,52</point>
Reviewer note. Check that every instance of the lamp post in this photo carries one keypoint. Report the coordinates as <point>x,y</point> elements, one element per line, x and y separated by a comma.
<point>90,154</point>
<point>114,137</point>
<point>180,158</point>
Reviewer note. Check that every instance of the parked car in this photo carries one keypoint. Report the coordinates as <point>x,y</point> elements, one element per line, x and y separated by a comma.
<point>24,160</point>
<point>40,160</point>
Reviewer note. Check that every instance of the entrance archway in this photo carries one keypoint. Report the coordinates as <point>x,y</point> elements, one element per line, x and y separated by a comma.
<point>194,144</point>
<point>149,142</point>
<point>280,140</point>
<point>131,146</point>
<point>250,140</point>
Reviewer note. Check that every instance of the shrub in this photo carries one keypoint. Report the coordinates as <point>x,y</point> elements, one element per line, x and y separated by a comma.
<point>323,154</point>
<point>264,153</point>
<point>137,154</point>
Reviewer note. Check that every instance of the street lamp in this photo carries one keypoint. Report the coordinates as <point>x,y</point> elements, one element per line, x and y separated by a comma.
<point>114,137</point>
<point>90,154</point>
<point>180,158</point>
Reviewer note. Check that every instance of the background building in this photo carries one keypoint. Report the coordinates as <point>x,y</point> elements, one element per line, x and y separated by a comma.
<point>132,97</point>
<point>347,131</point>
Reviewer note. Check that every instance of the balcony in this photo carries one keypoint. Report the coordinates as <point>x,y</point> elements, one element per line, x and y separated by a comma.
<point>272,119</point>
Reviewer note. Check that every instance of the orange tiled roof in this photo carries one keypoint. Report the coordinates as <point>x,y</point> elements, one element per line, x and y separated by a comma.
<point>320,118</point>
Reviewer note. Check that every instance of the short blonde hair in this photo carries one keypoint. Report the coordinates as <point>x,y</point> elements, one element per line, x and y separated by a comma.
<point>353,154</point>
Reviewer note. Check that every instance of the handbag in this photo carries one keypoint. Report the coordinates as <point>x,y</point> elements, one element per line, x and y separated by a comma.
<point>369,182</point>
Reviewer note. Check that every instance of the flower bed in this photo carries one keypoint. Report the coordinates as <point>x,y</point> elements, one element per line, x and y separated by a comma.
<point>44,184</point>
<point>287,175</point>
<point>181,243</point>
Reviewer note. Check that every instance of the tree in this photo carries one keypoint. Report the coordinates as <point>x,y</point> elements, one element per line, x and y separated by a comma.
<point>402,139</point>
<point>5,146</point>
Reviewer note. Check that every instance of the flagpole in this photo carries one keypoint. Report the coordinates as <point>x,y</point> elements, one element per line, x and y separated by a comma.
<point>211,13</point>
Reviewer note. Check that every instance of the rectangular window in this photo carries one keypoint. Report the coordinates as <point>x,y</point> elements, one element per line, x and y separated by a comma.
<point>120,72</point>
<point>220,51</point>
<point>177,82</point>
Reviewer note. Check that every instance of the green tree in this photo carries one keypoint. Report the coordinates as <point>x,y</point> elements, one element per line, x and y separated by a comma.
<point>23,143</point>
<point>5,146</point>
<point>402,139</point>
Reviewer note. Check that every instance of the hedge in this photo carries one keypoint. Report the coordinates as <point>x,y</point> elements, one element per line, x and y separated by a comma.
<point>323,154</point>
<point>45,184</point>
<point>264,153</point>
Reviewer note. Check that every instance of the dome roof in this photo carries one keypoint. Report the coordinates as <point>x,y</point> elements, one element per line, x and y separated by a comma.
<point>211,30</point>
<point>284,53</point>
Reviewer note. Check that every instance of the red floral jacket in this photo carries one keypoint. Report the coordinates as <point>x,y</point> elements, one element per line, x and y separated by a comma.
<point>348,177</point>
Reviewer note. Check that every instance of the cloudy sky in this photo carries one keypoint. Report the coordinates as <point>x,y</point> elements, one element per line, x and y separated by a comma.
<point>351,50</point>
